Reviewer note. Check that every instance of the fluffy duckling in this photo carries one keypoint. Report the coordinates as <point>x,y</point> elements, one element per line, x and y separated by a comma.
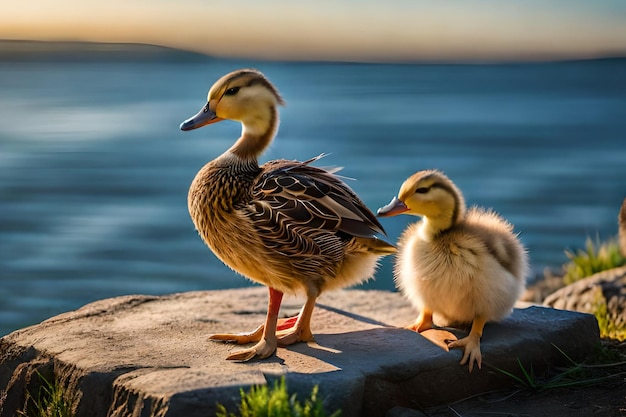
<point>285,224</point>
<point>466,266</point>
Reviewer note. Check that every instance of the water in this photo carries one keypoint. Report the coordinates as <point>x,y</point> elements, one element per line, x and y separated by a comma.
<point>94,171</point>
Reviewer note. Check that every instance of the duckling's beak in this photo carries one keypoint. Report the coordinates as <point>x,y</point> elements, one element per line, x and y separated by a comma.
<point>393,208</point>
<point>206,116</point>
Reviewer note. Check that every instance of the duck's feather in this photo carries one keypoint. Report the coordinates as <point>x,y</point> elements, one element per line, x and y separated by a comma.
<point>296,194</point>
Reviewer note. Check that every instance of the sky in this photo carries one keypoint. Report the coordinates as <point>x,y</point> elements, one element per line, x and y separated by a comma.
<point>392,30</point>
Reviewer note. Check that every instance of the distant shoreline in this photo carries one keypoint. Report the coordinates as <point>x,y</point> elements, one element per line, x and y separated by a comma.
<point>69,51</point>
<point>82,51</point>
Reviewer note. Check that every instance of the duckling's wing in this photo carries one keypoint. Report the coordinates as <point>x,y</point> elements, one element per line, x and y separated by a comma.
<point>296,194</point>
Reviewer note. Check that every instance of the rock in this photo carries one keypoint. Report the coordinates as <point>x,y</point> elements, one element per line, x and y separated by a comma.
<point>538,290</point>
<point>404,412</point>
<point>149,356</point>
<point>604,288</point>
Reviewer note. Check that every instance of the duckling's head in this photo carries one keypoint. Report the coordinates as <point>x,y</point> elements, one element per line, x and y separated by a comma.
<point>246,96</point>
<point>430,194</point>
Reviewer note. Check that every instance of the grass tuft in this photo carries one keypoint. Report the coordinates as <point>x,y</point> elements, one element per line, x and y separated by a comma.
<point>574,374</point>
<point>50,402</point>
<point>609,328</point>
<point>262,401</point>
<point>596,257</point>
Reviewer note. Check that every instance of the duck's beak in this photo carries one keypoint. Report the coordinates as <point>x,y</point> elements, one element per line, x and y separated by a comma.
<point>206,116</point>
<point>393,208</point>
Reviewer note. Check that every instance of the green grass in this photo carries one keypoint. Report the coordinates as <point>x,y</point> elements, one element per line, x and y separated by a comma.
<point>262,401</point>
<point>609,329</point>
<point>572,375</point>
<point>51,401</point>
<point>596,257</point>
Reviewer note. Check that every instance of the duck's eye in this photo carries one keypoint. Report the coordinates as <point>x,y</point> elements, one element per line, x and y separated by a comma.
<point>231,91</point>
<point>422,190</point>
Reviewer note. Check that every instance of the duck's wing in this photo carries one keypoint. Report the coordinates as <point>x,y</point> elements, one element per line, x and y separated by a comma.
<point>297,195</point>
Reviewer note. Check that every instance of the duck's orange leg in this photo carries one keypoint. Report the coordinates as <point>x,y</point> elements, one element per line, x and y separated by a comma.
<point>265,334</point>
<point>255,335</point>
<point>471,344</point>
<point>301,331</point>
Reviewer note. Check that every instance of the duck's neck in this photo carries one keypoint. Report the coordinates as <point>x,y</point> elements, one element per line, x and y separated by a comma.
<point>432,226</point>
<point>256,135</point>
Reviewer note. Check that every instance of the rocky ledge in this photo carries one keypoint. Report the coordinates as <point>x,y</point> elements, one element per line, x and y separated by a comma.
<point>606,289</point>
<point>149,356</point>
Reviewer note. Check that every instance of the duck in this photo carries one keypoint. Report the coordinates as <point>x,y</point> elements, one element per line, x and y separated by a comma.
<point>285,224</point>
<point>467,266</point>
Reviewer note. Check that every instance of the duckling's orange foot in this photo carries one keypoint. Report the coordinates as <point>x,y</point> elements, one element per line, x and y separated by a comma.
<point>419,327</point>
<point>423,322</point>
<point>261,350</point>
<point>439,337</point>
<point>471,351</point>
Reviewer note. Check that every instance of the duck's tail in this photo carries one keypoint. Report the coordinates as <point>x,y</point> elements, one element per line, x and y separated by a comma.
<point>378,246</point>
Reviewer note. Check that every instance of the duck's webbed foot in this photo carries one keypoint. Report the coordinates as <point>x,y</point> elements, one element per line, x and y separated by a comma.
<point>471,345</point>
<point>471,351</point>
<point>273,332</point>
<point>239,338</point>
<point>300,329</point>
<point>263,349</point>
<point>255,335</point>
<point>424,325</point>
<point>264,335</point>
<point>439,337</point>
<point>291,336</point>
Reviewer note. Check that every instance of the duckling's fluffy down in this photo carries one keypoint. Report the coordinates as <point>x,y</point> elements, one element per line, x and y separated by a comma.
<point>476,268</point>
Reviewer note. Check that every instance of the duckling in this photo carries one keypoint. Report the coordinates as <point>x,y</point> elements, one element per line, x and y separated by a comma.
<point>285,224</point>
<point>466,266</point>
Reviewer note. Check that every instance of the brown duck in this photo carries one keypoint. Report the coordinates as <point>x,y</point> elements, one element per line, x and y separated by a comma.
<point>285,224</point>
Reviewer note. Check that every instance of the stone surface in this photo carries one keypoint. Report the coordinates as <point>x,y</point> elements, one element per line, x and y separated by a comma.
<point>404,412</point>
<point>149,356</point>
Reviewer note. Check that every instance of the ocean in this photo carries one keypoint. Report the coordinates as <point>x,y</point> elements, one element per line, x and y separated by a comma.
<point>94,170</point>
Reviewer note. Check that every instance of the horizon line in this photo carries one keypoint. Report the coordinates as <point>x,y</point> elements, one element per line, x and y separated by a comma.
<point>467,59</point>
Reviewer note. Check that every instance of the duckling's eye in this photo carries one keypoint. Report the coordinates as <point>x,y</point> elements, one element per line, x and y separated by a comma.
<point>422,190</point>
<point>231,91</point>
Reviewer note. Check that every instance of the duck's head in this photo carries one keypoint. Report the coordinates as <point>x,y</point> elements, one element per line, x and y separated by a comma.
<point>430,194</point>
<point>245,96</point>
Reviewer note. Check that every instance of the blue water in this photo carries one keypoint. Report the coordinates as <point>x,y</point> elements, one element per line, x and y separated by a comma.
<point>94,171</point>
